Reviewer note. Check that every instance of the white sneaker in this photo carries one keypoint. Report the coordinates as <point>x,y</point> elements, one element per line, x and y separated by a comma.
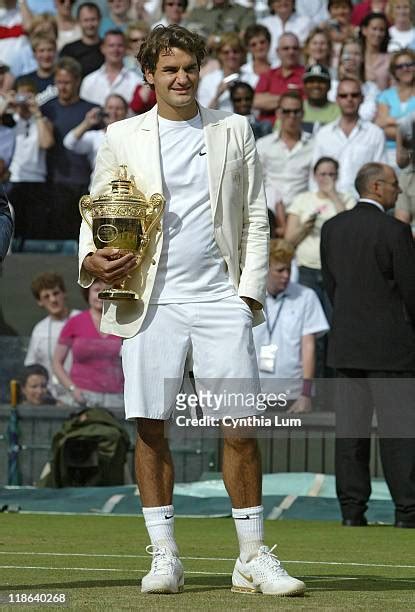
<point>265,574</point>
<point>166,574</point>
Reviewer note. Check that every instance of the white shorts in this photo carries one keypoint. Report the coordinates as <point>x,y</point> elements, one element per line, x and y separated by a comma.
<point>216,335</point>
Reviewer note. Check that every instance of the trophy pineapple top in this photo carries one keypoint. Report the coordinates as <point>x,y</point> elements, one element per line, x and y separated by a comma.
<point>123,190</point>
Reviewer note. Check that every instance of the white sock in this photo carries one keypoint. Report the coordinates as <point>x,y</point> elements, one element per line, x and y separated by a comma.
<point>160,526</point>
<point>249,524</point>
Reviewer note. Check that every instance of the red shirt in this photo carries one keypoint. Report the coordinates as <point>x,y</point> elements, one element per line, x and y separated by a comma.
<point>361,10</point>
<point>274,82</point>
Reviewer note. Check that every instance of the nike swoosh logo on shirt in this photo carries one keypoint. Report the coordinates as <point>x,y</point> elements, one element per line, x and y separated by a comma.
<point>168,517</point>
<point>202,153</point>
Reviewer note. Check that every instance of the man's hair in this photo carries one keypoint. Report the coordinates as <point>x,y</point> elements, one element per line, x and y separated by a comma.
<point>27,82</point>
<point>352,80</point>
<point>183,3</point>
<point>47,280</point>
<point>91,6</point>
<point>163,39</point>
<point>69,65</point>
<point>280,250</point>
<point>285,34</point>
<point>254,30</point>
<point>43,19</point>
<point>291,95</point>
<point>366,174</point>
<point>113,32</point>
<point>240,85</point>
<point>332,3</point>
<point>42,37</point>
<point>137,25</point>
<point>36,369</point>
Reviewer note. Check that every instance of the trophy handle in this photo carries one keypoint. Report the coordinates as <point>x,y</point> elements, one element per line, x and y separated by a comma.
<point>157,203</point>
<point>85,203</point>
<point>155,213</point>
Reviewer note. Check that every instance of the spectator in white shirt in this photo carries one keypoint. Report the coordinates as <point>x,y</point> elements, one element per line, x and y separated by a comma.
<point>84,138</point>
<point>402,32</point>
<point>112,77</point>
<point>286,343</point>
<point>284,19</point>
<point>286,158</point>
<point>49,291</point>
<point>350,140</point>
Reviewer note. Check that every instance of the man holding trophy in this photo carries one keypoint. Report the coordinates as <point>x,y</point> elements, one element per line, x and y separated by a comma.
<point>192,285</point>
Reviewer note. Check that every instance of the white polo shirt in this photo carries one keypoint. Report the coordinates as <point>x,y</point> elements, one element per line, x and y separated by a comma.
<point>285,171</point>
<point>300,314</point>
<point>365,143</point>
<point>96,87</point>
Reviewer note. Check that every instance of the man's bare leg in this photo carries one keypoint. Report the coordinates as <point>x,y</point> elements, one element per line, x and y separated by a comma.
<point>153,464</point>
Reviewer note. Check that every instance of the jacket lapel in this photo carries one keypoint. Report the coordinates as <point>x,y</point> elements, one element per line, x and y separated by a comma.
<point>216,147</point>
<point>147,153</point>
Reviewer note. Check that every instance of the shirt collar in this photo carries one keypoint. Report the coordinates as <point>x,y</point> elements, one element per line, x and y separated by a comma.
<point>281,295</point>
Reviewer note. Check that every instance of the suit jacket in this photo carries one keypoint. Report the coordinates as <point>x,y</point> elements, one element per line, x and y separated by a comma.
<point>237,199</point>
<point>368,266</point>
<point>6,224</point>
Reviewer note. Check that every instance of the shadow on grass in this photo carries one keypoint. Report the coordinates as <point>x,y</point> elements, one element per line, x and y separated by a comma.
<point>196,584</point>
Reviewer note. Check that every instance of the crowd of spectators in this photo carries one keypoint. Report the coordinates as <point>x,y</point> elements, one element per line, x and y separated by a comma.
<point>327,86</point>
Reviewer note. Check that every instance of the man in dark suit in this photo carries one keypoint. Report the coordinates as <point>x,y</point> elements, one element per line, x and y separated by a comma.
<point>368,265</point>
<point>6,224</point>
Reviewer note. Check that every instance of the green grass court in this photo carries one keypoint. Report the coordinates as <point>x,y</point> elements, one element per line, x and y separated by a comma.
<point>98,561</point>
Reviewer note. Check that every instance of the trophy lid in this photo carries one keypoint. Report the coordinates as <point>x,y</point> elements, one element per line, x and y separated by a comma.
<point>123,190</point>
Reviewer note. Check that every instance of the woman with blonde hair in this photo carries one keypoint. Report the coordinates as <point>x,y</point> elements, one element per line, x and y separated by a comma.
<point>318,48</point>
<point>397,101</point>
<point>402,32</point>
<point>214,86</point>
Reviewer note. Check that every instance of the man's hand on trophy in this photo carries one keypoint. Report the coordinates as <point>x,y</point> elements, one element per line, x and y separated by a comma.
<point>110,265</point>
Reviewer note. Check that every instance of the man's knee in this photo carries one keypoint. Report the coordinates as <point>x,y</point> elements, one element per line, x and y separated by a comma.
<point>242,445</point>
<point>151,433</point>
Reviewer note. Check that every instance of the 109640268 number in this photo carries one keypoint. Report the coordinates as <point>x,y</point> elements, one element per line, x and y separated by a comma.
<point>31,598</point>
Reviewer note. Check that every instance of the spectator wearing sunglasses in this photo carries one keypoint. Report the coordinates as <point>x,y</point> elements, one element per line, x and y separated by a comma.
<point>172,11</point>
<point>351,141</point>
<point>397,101</point>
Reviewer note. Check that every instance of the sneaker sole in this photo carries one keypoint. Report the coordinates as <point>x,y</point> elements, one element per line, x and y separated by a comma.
<point>247,590</point>
<point>162,591</point>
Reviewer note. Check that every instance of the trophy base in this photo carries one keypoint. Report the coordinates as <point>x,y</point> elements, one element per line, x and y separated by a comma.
<point>118,294</point>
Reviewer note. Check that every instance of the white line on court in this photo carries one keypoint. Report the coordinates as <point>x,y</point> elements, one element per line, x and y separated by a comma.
<point>57,554</point>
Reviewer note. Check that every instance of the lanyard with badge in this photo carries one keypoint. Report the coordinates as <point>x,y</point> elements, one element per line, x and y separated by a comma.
<point>268,352</point>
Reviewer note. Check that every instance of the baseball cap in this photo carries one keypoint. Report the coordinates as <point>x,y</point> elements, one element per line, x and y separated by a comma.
<point>317,71</point>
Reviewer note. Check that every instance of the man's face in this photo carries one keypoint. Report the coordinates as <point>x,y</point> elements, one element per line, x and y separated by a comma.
<point>316,89</point>
<point>349,98</point>
<point>53,301</point>
<point>278,277</point>
<point>45,55</point>
<point>119,7</point>
<point>387,188</point>
<point>113,48</point>
<point>290,114</point>
<point>89,22</point>
<point>289,51</point>
<point>67,85</point>
<point>242,101</point>
<point>175,79</point>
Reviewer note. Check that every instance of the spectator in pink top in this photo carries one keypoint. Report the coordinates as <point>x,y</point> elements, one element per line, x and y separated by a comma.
<point>95,378</point>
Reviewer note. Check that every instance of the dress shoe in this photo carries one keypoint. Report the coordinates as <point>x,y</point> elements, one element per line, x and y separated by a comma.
<point>405,524</point>
<point>361,522</point>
